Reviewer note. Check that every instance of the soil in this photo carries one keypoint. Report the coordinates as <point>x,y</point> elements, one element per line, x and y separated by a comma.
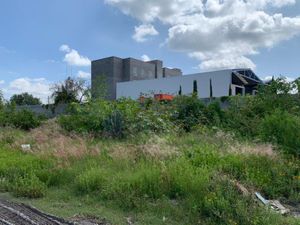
<point>21,214</point>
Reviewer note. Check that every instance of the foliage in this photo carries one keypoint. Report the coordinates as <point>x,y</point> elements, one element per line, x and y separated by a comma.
<point>71,90</point>
<point>29,186</point>
<point>25,99</point>
<point>23,119</point>
<point>284,129</point>
<point>180,91</point>
<point>195,88</point>
<point>211,94</point>
<point>115,119</point>
<point>195,185</point>
<point>188,111</point>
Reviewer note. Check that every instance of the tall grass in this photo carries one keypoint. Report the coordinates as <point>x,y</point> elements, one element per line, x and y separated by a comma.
<point>197,183</point>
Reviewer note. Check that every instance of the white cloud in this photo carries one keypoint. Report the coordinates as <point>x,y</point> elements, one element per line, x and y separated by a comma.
<point>145,58</point>
<point>269,78</point>
<point>39,87</point>
<point>220,34</point>
<point>2,82</point>
<point>83,75</point>
<point>142,32</point>
<point>65,48</point>
<point>73,58</point>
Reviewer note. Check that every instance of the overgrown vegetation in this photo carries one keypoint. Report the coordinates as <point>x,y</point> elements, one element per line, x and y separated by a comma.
<point>23,119</point>
<point>162,162</point>
<point>25,99</point>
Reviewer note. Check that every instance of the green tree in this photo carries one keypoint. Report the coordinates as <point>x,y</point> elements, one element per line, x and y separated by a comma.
<point>180,90</point>
<point>71,90</point>
<point>211,95</point>
<point>25,99</point>
<point>195,88</point>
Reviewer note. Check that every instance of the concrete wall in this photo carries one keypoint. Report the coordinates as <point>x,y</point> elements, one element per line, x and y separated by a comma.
<point>158,68</point>
<point>111,69</point>
<point>220,82</point>
<point>171,72</point>
<point>139,70</point>
<point>108,72</point>
<point>50,111</point>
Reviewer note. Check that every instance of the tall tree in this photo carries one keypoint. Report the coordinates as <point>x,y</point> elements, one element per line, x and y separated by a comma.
<point>180,90</point>
<point>195,88</point>
<point>210,89</point>
<point>25,99</point>
<point>71,90</point>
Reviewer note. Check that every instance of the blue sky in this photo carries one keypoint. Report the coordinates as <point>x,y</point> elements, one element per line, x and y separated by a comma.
<point>33,31</point>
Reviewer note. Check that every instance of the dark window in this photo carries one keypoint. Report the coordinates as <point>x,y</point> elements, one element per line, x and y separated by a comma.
<point>238,91</point>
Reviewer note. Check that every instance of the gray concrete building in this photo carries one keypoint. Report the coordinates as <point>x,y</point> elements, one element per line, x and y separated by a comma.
<point>110,71</point>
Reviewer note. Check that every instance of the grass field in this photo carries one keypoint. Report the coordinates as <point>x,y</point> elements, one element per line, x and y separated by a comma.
<point>185,178</point>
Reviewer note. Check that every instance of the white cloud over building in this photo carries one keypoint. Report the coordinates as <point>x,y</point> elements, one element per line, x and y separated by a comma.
<point>220,34</point>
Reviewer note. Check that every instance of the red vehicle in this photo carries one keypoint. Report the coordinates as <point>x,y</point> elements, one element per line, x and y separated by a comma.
<point>163,97</point>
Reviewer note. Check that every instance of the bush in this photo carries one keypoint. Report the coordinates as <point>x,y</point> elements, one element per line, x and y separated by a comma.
<point>114,119</point>
<point>29,186</point>
<point>23,119</point>
<point>188,111</point>
<point>20,173</point>
<point>114,125</point>
<point>284,129</point>
<point>90,181</point>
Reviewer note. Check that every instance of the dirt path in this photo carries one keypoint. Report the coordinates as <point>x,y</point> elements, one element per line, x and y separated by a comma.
<point>21,214</point>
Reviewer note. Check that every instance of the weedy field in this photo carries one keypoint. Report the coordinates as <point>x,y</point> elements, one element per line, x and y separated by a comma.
<point>157,163</point>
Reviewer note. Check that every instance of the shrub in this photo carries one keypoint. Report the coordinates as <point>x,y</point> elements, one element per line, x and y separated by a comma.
<point>284,129</point>
<point>23,119</point>
<point>270,176</point>
<point>29,186</point>
<point>188,111</point>
<point>90,181</point>
<point>115,119</point>
<point>113,124</point>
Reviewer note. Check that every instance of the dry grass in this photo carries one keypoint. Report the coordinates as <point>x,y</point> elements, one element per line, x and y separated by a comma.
<point>254,149</point>
<point>50,139</point>
<point>228,143</point>
<point>155,148</point>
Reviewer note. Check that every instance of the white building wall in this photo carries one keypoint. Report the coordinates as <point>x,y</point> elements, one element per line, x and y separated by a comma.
<point>220,82</point>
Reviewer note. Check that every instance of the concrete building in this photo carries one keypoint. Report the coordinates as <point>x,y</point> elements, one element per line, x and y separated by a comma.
<point>133,78</point>
<point>114,70</point>
<point>240,81</point>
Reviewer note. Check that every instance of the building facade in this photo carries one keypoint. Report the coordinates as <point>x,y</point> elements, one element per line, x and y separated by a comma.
<point>132,78</point>
<point>114,70</point>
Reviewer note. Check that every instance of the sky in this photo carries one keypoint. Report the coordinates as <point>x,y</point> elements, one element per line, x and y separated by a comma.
<point>43,42</point>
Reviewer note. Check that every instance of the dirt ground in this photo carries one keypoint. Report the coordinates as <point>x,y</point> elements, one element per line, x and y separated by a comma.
<point>21,214</point>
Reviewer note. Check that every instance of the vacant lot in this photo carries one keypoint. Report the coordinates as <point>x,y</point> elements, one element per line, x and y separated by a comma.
<point>172,179</point>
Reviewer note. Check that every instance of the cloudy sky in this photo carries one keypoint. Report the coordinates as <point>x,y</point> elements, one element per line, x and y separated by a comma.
<point>42,42</point>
